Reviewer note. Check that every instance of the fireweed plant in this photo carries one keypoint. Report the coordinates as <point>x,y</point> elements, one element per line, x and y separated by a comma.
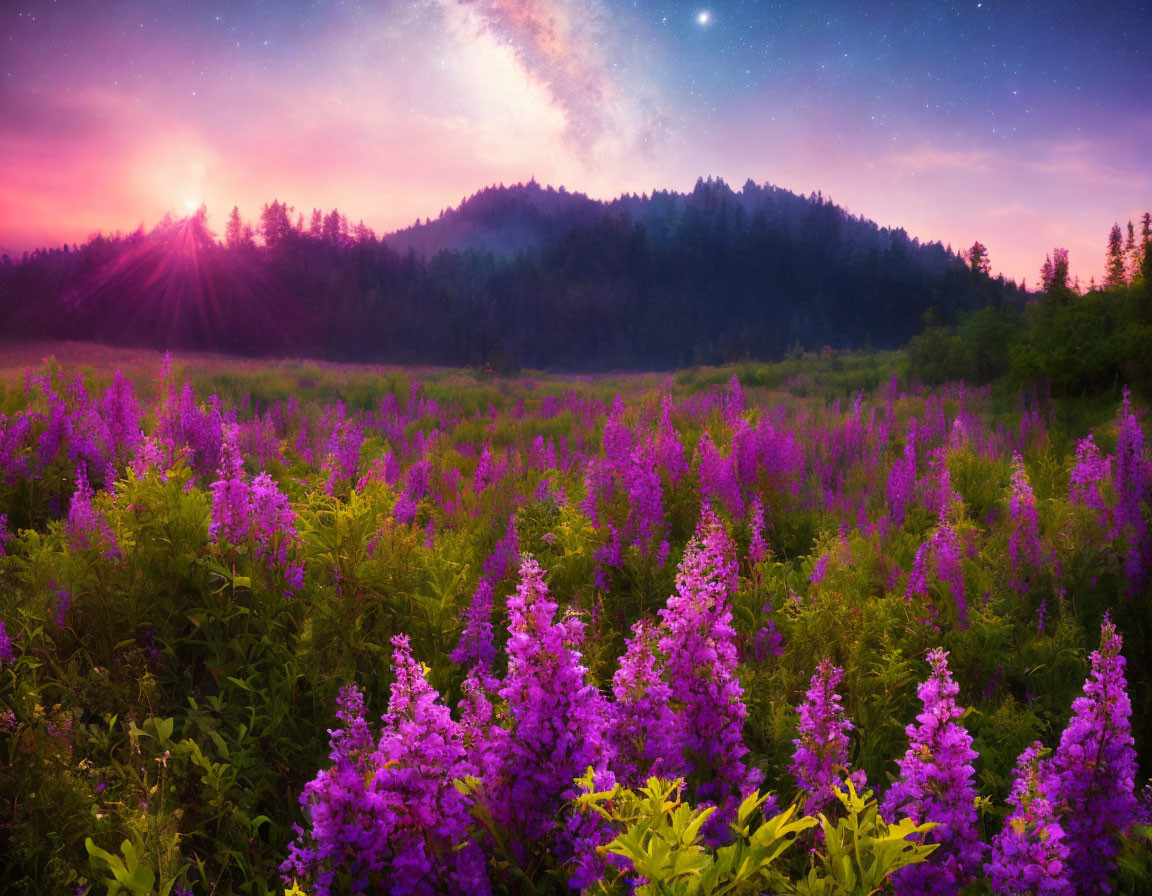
<point>297,627</point>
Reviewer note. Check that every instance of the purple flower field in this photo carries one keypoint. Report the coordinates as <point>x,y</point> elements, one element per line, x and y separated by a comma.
<point>802,628</point>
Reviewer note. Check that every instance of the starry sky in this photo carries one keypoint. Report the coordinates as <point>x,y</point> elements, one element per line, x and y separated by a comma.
<point>1023,125</point>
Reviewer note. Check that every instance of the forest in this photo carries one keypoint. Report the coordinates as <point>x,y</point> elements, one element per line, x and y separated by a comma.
<point>514,277</point>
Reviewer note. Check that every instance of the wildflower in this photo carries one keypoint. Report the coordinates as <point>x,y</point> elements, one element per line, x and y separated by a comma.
<point>1133,480</point>
<point>757,547</point>
<point>697,637</point>
<point>901,483</point>
<point>389,811</point>
<point>86,527</point>
<point>1092,470</point>
<point>7,655</point>
<point>820,760</point>
<point>476,645</point>
<point>1029,854</point>
<point>939,557</point>
<point>1093,771</point>
<point>643,723</point>
<point>1024,548</point>
<point>935,785</point>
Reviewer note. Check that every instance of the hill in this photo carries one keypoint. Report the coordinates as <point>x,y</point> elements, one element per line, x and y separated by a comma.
<point>514,276</point>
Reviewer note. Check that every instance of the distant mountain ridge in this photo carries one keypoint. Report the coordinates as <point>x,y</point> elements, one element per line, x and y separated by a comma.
<point>522,275</point>
<point>508,219</point>
<point>501,219</point>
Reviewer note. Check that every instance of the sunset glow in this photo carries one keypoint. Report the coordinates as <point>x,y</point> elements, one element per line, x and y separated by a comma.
<point>116,114</point>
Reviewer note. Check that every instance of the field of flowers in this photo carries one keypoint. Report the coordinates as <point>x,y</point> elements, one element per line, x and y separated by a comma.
<point>801,628</point>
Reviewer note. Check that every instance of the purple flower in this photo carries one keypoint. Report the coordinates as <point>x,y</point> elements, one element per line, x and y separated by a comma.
<point>645,497</point>
<point>1092,470</point>
<point>122,416</point>
<point>757,546</point>
<point>63,607</point>
<point>342,457</point>
<point>939,557</point>
<point>820,760</point>
<point>476,645</point>
<point>935,785</point>
<point>733,401</point>
<point>767,641</point>
<point>505,556</point>
<point>643,724</point>
<point>669,450</point>
<point>255,513</point>
<point>901,483</point>
<point>718,482</point>
<point>7,655</point>
<point>1133,480</point>
<point>1024,548</point>
<point>557,725</point>
<point>608,555</point>
<point>1093,771</point>
<point>86,526</point>
<point>389,815</point>
<point>936,486</point>
<point>1029,855</point>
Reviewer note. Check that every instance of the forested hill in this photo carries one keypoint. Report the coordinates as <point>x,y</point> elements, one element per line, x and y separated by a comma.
<point>515,276</point>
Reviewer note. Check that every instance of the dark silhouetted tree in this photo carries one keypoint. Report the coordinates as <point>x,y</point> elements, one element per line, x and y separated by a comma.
<point>234,229</point>
<point>335,228</point>
<point>1131,253</point>
<point>1054,275</point>
<point>978,258</point>
<point>1114,269</point>
<point>276,223</point>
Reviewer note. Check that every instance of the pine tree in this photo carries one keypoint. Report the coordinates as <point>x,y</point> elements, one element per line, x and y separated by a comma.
<point>233,232</point>
<point>1143,256</point>
<point>1054,275</point>
<point>276,223</point>
<point>333,229</point>
<point>978,258</point>
<point>1131,254</point>
<point>1114,272</point>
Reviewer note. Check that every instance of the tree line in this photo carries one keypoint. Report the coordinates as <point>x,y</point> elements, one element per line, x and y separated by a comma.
<point>515,276</point>
<point>1074,339</point>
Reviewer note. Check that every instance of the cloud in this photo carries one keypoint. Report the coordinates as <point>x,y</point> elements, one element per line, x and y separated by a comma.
<point>931,158</point>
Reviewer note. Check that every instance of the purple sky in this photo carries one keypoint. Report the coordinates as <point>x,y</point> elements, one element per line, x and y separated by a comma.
<point>1026,127</point>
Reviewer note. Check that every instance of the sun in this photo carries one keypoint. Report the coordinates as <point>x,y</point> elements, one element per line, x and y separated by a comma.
<point>191,204</point>
<point>703,17</point>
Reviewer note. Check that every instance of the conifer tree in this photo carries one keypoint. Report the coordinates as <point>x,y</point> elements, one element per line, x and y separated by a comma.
<point>1141,255</point>
<point>1114,273</point>
<point>1054,276</point>
<point>978,258</point>
<point>234,230</point>
<point>1131,253</point>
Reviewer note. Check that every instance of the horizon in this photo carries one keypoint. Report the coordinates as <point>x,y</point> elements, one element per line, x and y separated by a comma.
<point>957,124</point>
<point>215,221</point>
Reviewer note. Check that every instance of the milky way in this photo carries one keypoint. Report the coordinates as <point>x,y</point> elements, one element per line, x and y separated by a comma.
<point>1026,127</point>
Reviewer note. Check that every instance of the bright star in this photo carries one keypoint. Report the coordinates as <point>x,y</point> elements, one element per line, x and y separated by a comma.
<point>703,17</point>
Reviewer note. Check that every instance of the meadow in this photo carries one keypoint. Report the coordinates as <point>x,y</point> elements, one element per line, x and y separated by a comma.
<point>804,627</point>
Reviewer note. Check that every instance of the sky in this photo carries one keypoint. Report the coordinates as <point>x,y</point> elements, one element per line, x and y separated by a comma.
<point>1023,125</point>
